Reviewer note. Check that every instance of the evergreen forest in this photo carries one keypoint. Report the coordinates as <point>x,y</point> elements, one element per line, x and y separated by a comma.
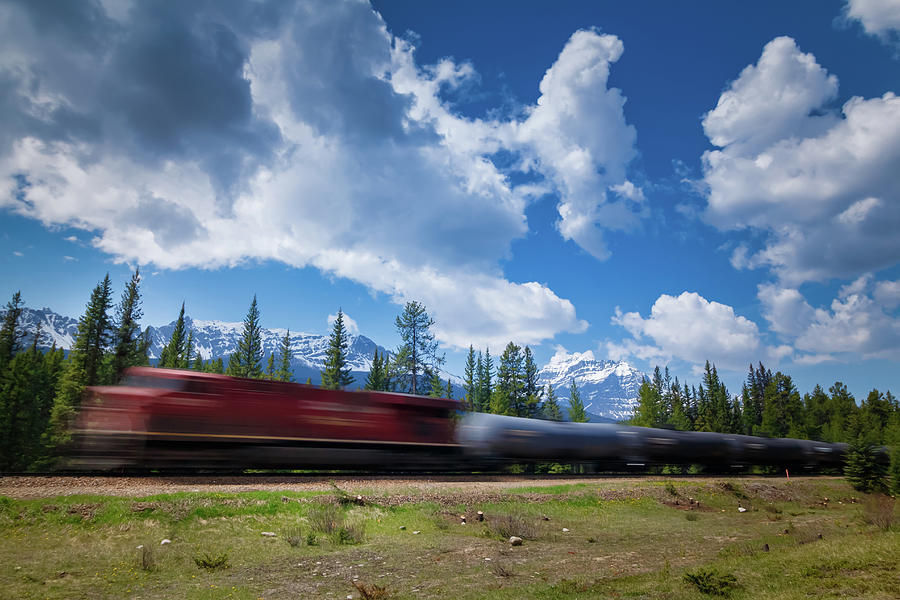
<point>41,389</point>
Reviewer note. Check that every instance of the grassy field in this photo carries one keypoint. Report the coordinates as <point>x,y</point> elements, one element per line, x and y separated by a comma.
<point>670,538</point>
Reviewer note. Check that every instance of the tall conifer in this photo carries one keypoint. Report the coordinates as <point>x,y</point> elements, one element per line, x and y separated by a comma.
<point>577,413</point>
<point>285,354</point>
<point>247,360</point>
<point>127,338</point>
<point>336,374</point>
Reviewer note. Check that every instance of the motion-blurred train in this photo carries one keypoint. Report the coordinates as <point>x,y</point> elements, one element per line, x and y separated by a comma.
<point>174,419</point>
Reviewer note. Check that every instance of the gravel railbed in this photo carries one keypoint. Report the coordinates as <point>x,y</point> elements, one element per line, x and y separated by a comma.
<point>25,487</point>
<point>42,487</point>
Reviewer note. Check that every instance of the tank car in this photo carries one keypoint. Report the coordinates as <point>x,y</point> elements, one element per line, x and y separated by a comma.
<point>501,438</point>
<point>168,418</point>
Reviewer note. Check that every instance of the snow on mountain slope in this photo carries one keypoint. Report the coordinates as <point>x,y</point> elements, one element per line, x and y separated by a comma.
<point>608,389</point>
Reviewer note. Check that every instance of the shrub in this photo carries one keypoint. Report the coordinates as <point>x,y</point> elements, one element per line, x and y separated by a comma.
<point>670,488</point>
<point>691,516</point>
<point>709,581</point>
<point>878,510</point>
<point>212,561</point>
<point>351,533</point>
<point>311,539</point>
<point>326,519</point>
<point>506,526</point>
<point>371,591</point>
<point>293,536</point>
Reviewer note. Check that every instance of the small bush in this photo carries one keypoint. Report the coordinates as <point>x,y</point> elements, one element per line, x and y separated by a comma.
<point>670,488</point>
<point>370,591</point>
<point>709,581</point>
<point>326,519</point>
<point>212,561</point>
<point>293,536</point>
<point>351,533</point>
<point>312,539</point>
<point>878,510</point>
<point>691,516</point>
<point>506,526</point>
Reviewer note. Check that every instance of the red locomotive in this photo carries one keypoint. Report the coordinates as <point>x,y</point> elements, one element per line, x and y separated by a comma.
<point>168,418</point>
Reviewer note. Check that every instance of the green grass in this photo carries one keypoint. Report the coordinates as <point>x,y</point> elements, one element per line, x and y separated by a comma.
<point>624,539</point>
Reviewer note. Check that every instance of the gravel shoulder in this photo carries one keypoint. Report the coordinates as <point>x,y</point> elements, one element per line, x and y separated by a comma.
<point>25,487</point>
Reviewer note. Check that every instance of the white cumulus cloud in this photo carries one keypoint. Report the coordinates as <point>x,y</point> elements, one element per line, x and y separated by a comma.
<point>690,328</point>
<point>856,323</point>
<point>878,17</point>
<point>821,186</point>
<point>327,145</point>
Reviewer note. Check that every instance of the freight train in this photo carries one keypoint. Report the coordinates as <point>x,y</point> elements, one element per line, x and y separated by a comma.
<point>177,419</point>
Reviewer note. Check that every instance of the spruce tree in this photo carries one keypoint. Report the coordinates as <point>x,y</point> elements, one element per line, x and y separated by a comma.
<point>648,410</point>
<point>285,354</point>
<point>83,365</point>
<point>270,367</point>
<point>376,380</point>
<point>127,338</point>
<point>485,378</point>
<point>247,360</point>
<point>172,354</point>
<point>11,333</point>
<point>863,470</point>
<point>470,381</point>
<point>510,380</point>
<point>435,385</point>
<point>551,406</point>
<point>577,413</point>
<point>419,350</point>
<point>530,389</point>
<point>336,374</point>
<point>198,363</point>
<point>448,391</point>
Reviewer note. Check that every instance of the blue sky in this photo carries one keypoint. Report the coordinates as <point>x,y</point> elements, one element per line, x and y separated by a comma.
<point>663,183</point>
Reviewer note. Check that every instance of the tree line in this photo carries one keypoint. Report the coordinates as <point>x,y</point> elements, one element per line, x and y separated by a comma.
<point>770,405</point>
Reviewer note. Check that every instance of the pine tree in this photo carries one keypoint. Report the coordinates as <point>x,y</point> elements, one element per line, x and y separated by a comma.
<point>509,380</point>
<point>485,378</point>
<point>270,367</point>
<point>376,379</point>
<point>435,385</point>
<point>894,472</point>
<point>577,413</point>
<point>337,375</point>
<point>127,338</point>
<point>285,354</point>
<point>530,389</point>
<point>11,334</point>
<point>448,391</point>
<point>551,406</point>
<point>198,363</point>
<point>83,365</point>
<point>499,403</point>
<point>863,470</point>
<point>172,355</point>
<point>419,350</point>
<point>648,410</point>
<point>470,382</point>
<point>247,360</point>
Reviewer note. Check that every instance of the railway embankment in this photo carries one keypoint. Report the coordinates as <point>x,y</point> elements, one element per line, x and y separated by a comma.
<point>441,537</point>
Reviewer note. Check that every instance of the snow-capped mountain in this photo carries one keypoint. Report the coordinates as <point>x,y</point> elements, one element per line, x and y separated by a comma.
<point>55,329</point>
<point>609,389</point>
<point>213,339</point>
